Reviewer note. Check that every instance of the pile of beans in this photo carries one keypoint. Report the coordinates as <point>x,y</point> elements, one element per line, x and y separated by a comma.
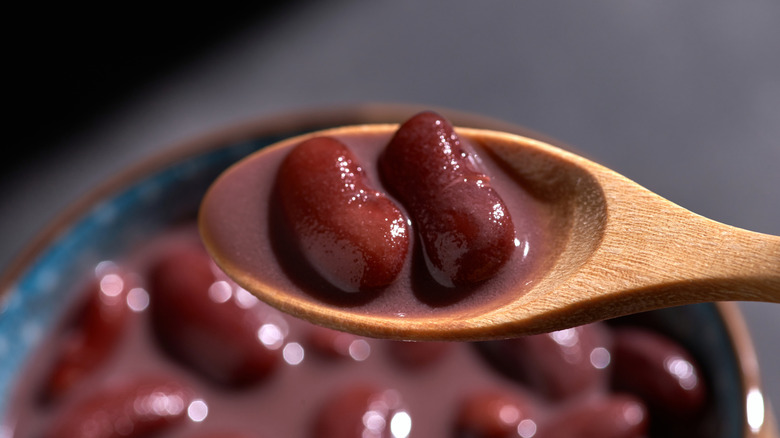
<point>166,345</point>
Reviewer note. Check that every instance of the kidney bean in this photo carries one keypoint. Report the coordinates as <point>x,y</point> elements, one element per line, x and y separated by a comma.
<point>466,231</point>
<point>359,411</point>
<point>138,409</point>
<point>615,416</point>
<point>496,414</point>
<point>558,365</point>
<point>206,322</point>
<point>658,370</point>
<point>94,334</point>
<point>352,235</point>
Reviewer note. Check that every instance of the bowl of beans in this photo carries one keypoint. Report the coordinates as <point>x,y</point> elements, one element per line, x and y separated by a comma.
<point>117,323</point>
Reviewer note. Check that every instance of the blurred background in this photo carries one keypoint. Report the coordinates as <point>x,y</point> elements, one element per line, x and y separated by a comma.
<point>682,97</point>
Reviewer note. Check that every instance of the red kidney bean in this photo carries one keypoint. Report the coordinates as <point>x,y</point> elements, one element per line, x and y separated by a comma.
<point>496,414</point>
<point>465,228</point>
<point>357,412</point>
<point>352,235</point>
<point>201,321</point>
<point>558,365</point>
<point>139,409</point>
<point>417,355</point>
<point>94,334</point>
<point>615,416</point>
<point>658,370</point>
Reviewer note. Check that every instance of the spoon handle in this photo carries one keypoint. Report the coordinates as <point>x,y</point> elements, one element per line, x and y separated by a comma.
<point>659,245</point>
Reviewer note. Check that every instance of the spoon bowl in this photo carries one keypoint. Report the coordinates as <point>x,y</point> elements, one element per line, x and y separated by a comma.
<point>616,249</point>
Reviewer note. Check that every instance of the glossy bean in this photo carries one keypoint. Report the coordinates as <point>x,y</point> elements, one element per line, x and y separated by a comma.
<point>658,370</point>
<point>207,323</point>
<point>465,228</point>
<point>363,411</point>
<point>559,365</point>
<point>138,409</point>
<point>616,416</point>
<point>94,333</point>
<point>496,414</point>
<point>351,234</point>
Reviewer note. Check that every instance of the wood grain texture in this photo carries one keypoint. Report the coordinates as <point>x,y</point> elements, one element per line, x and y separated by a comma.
<point>650,254</point>
<point>625,250</point>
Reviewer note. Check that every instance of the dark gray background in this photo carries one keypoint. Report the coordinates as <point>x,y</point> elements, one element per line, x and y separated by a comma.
<point>682,97</point>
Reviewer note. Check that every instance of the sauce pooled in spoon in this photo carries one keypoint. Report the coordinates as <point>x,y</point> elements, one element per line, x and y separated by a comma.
<point>403,223</point>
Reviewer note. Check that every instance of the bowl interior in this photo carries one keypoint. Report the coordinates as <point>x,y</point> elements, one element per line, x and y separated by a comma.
<point>169,191</point>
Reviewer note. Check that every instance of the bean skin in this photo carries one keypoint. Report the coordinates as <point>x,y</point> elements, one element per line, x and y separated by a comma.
<point>614,416</point>
<point>358,411</point>
<point>496,413</point>
<point>138,409</point>
<point>94,335</point>
<point>352,235</point>
<point>465,228</point>
<point>558,365</point>
<point>199,319</point>
<point>658,370</point>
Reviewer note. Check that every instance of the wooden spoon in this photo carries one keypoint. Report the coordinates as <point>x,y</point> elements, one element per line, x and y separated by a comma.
<point>623,250</point>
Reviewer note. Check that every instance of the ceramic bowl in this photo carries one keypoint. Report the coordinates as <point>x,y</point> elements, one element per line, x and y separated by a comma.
<point>166,189</point>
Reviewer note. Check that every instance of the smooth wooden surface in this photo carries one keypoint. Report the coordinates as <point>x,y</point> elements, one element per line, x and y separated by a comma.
<point>627,250</point>
<point>650,253</point>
